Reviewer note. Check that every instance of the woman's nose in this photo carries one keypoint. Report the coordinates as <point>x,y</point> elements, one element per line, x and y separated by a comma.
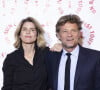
<point>28,31</point>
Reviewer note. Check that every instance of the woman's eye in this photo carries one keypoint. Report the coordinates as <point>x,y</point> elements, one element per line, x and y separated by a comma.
<point>23,29</point>
<point>33,30</point>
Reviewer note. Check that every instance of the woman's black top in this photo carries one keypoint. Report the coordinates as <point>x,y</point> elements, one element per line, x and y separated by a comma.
<point>20,75</point>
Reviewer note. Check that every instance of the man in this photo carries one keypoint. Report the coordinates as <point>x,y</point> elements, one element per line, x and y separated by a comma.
<point>84,66</point>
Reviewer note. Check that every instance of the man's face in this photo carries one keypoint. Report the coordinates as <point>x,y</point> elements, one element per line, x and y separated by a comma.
<point>69,35</point>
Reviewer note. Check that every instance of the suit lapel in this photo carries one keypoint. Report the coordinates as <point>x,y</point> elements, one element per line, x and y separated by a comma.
<point>57,61</point>
<point>80,64</point>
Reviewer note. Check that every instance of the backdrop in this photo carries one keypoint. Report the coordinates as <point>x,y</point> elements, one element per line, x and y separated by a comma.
<point>47,12</point>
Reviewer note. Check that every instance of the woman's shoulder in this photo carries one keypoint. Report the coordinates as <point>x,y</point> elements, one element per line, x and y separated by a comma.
<point>11,57</point>
<point>13,53</point>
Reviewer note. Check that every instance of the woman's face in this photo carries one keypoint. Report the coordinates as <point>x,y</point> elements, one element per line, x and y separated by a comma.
<point>28,34</point>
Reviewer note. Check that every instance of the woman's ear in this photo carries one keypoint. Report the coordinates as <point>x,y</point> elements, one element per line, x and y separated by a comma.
<point>19,36</point>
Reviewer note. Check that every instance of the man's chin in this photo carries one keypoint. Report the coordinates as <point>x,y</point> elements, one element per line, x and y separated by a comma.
<point>71,46</point>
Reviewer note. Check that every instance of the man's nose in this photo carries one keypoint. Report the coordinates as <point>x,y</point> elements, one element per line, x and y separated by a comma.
<point>69,33</point>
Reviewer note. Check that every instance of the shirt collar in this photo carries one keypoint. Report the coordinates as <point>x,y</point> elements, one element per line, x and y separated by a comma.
<point>74,52</point>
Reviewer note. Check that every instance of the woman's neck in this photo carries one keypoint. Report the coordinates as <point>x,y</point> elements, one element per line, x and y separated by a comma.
<point>28,48</point>
<point>29,52</point>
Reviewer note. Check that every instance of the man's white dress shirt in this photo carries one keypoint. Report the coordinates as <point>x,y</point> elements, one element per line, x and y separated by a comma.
<point>61,71</point>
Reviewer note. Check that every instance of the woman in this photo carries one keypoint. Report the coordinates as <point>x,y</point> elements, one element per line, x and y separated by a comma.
<point>24,69</point>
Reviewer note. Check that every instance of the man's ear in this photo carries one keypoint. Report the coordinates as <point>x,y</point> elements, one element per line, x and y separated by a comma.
<point>80,38</point>
<point>57,35</point>
<point>80,35</point>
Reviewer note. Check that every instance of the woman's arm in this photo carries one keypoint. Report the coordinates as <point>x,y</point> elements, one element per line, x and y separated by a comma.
<point>57,47</point>
<point>8,70</point>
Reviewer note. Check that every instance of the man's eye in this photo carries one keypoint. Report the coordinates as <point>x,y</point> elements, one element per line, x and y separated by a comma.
<point>64,30</point>
<point>74,30</point>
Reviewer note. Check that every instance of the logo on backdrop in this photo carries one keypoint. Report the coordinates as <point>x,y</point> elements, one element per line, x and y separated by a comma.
<point>88,34</point>
<point>8,38</point>
<point>60,7</point>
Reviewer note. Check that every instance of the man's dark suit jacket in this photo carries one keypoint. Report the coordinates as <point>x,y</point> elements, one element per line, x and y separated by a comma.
<point>87,75</point>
